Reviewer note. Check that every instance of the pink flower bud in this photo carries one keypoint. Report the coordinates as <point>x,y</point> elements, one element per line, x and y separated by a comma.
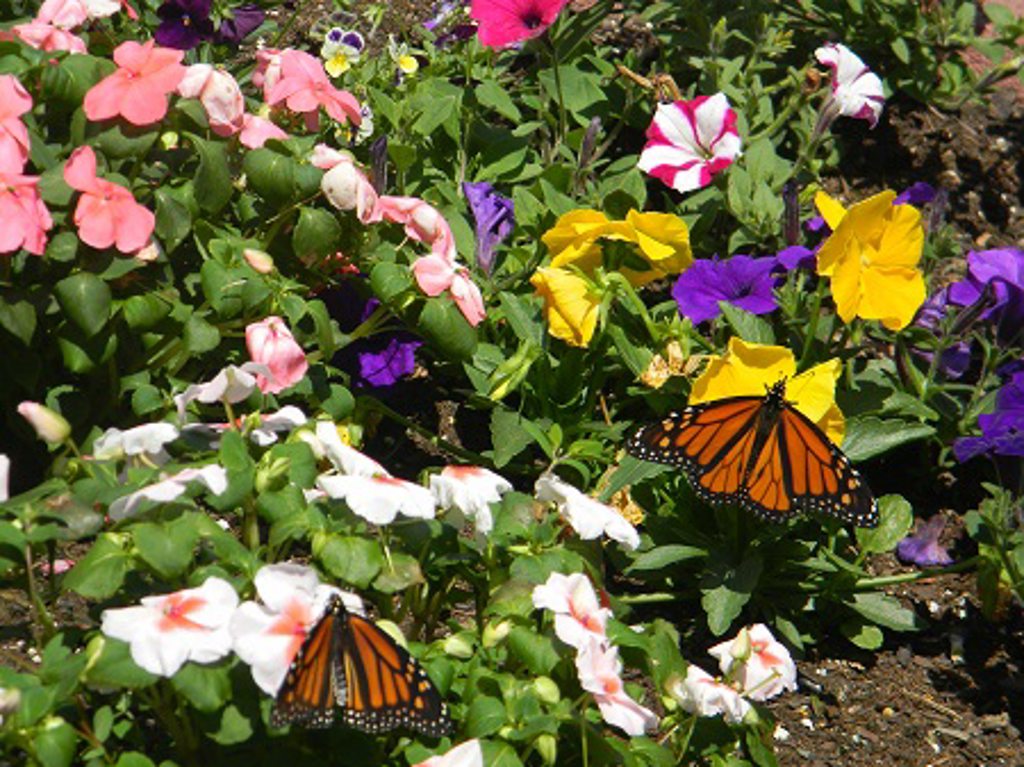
<point>50,427</point>
<point>271,343</point>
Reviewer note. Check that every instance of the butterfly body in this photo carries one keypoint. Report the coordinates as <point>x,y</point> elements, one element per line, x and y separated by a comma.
<point>349,666</point>
<point>762,454</point>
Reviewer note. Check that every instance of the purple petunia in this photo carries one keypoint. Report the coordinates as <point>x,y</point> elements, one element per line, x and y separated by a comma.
<point>1002,432</point>
<point>244,20</point>
<point>184,24</point>
<point>495,219</point>
<point>796,257</point>
<point>742,281</point>
<point>923,548</point>
<point>995,277</point>
<point>956,359</point>
<point>918,193</point>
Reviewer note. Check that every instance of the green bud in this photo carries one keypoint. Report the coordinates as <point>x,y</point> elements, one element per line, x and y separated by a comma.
<point>51,427</point>
<point>494,633</point>
<point>547,747</point>
<point>272,474</point>
<point>547,689</point>
<point>740,647</point>
<point>169,140</point>
<point>507,377</point>
<point>459,645</point>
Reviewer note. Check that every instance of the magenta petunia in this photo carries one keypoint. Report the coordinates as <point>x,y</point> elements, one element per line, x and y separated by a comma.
<point>507,22</point>
<point>688,142</point>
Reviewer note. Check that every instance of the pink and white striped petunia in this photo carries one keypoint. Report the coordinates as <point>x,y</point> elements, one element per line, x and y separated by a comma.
<point>856,90</point>
<point>688,142</point>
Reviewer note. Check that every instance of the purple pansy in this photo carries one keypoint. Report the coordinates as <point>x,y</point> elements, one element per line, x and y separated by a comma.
<point>1002,432</point>
<point>743,281</point>
<point>923,548</point>
<point>495,219</point>
<point>184,24</point>
<point>444,10</point>
<point>379,360</point>
<point>244,20</point>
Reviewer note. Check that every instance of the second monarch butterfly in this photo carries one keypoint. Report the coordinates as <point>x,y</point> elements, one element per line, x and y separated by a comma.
<point>347,661</point>
<point>761,453</point>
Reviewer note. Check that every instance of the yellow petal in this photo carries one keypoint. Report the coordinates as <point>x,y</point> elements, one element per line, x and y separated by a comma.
<point>830,209</point>
<point>902,241</point>
<point>337,65</point>
<point>891,294</point>
<point>664,240</point>
<point>572,239</point>
<point>846,286</point>
<point>813,393</point>
<point>746,369</point>
<point>569,305</point>
<point>870,218</point>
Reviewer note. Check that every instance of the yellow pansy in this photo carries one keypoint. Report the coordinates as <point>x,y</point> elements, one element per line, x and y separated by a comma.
<point>662,243</point>
<point>871,259</point>
<point>749,369</point>
<point>338,64</point>
<point>570,306</point>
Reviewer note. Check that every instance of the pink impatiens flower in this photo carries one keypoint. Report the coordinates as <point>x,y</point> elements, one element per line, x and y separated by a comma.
<point>599,670</point>
<point>344,184</point>
<point>436,274</point>
<point>68,14</point>
<point>219,94</point>
<point>14,102</point>
<point>271,343</point>
<point>267,636</point>
<point>147,74</point>
<point>702,694</point>
<point>46,37</point>
<point>256,131</point>
<point>168,630</point>
<point>107,214</point>
<point>471,490</point>
<point>579,616</point>
<point>267,71</point>
<point>688,142</point>
<point>856,90</point>
<point>506,22</point>
<point>22,210</point>
<point>304,87</point>
<point>379,499</point>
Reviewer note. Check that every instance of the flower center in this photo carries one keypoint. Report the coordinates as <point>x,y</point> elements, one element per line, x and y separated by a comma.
<point>531,20</point>
<point>176,610</point>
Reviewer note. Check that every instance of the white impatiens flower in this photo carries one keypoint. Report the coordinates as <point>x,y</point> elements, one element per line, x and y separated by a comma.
<point>856,90</point>
<point>688,142</point>
<point>579,616</point>
<point>702,694</point>
<point>588,517</point>
<point>215,478</point>
<point>267,636</point>
<point>599,670</point>
<point>147,440</point>
<point>166,631</point>
<point>5,473</point>
<point>232,384</point>
<point>379,499</point>
<point>468,754</point>
<point>269,425</point>
<point>471,490</point>
<point>326,441</point>
<point>760,664</point>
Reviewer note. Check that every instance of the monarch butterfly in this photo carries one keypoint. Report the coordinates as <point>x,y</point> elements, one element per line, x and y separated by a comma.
<point>347,661</point>
<point>761,453</point>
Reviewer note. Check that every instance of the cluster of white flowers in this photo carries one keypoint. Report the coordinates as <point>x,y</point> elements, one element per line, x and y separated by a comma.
<point>580,622</point>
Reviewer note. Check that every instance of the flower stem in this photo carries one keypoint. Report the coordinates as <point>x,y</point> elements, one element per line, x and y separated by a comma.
<point>563,121</point>
<point>868,584</point>
<point>812,328</point>
<point>48,629</point>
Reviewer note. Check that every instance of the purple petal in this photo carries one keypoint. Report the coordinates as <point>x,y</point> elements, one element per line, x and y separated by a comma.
<point>743,281</point>
<point>796,257</point>
<point>918,193</point>
<point>387,365</point>
<point>495,219</point>
<point>922,548</point>
<point>245,20</point>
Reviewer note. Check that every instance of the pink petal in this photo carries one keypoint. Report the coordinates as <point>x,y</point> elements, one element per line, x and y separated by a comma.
<point>143,104</point>
<point>134,224</point>
<point>104,99</point>
<point>95,221</point>
<point>80,169</point>
<point>433,273</point>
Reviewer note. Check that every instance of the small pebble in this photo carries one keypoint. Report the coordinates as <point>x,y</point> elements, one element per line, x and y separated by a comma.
<point>888,711</point>
<point>807,723</point>
<point>781,734</point>
<point>904,655</point>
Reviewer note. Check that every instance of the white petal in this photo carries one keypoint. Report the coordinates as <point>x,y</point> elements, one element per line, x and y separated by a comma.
<point>278,584</point>
<point>346,459</point>
<point>5,472</point>
<point>675,125</point>
<point>710,116</point>
<point>655,155</point>
<point>626,714</point>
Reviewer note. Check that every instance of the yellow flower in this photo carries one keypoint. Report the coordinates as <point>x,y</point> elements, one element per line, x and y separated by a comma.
<point>408,64</point>
<point>570,306</point>
<point>749,369</point>
<point>662,243</point>
<point>871,258</point>
<point>338,64</point>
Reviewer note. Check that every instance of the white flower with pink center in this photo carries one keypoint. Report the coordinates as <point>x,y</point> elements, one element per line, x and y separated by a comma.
<point>599,670</point>
<point>326,442</point>
<point>213,476</point>
<point>267,636</point>
<point>702,694</point>
<point>471,490</point>
<point>468,754</point>
<point>688,142</point>
<point>760,664</point>
<point>588,517</point>
<point>579,616</point>
<point>166,631</point>
<point>379,499</point>
<point>856,90</point>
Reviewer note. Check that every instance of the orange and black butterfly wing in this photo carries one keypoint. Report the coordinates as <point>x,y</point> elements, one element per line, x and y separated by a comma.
<point>711,441</point>
<point>309,693</point>
<point>818,476</point>
<point>385,687</point>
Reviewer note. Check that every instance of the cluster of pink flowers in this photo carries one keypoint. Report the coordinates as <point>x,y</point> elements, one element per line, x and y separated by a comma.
<point>51,29</point>
<point>580,622</point>
<point>26,219</point>
<point>347,188</point>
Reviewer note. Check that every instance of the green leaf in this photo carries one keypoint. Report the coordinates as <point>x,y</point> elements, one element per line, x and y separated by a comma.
<point>443,324</point>
<point>54,743</point>
<point>212,183</point>
<point>18,318</point>
<point>173,218</point>
<point>235,727</point>
<point>68,82</point>
<point>100,573</point>
<point>747,326</point>
<point>85,299</point>
<point>896,517</point>
<point>143,312</point>
<point>868,436</point>
<point>111,666</point>
<point>865,635</point>
<point>316,235</point>
<point>351,559</point>
<point>207,688</point>
<point>486,715</point>
<point>727,588</point>
<point>663,556</point>
<point>122,140</point>
<point>389,280</point>
<point>82,354</point>
<point>536,652</point>
<point>404,572</point>
<point>884,610</point>
<point>493,96</point>
<point>167,548</point>
<point>199,335</point>
<point>134,759</point>
<point>507,435</point>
